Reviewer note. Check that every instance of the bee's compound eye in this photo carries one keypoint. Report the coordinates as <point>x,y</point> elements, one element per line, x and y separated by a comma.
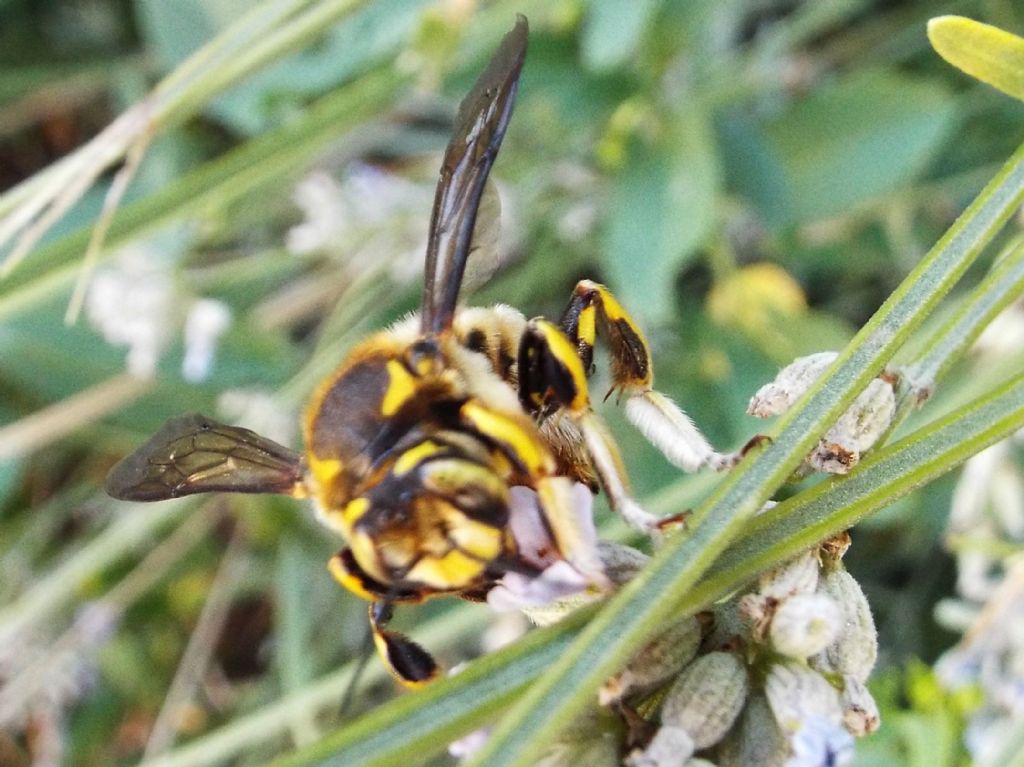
<point>423,358</point>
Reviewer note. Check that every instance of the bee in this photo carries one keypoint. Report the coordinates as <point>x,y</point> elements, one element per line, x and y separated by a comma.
<point>413,444</point>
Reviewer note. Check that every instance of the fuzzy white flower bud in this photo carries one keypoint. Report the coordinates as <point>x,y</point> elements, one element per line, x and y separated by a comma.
<point>856,648</point>
<point>856,430</point>
<point>671,747</point>
<point>860,712</point>
<point>657,662</point>
<point>797,576</point>
<point>798,694</point>
<point>804,624</point>
<point>777,397</point>
<point>707,697</point>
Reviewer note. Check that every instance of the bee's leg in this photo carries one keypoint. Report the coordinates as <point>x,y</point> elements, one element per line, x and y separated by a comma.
<point>409,663</point>
<point>552,377</point>
<point>657,417</point>
<point>519,442</point>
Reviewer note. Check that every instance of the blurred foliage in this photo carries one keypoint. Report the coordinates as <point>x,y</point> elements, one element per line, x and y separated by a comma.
<point>696,155</point>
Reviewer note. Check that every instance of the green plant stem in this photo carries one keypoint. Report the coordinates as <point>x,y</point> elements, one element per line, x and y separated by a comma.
<point>950,341</point>
<point>632,617</point>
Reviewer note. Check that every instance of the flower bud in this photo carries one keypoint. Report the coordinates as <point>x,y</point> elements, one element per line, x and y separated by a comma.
<point>797,576</point>
<point>777,397</point>
<point>856,647</point>
<point>590,740</point>
<point>657,662</point>
<point>860,712</point>
<point>467,745</point>
<point>707,697</point>
<point>804,625</point>
<point>756,612</point>
<point>856,430</point>
<point>621,563</point>
<point>727,624</point>
<point>671,747</point>
<point>832,550</point>
<point>798,694</point>
<point>757,740</point>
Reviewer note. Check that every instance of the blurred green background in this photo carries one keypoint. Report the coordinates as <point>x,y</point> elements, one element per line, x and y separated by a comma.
<point>752,178</point>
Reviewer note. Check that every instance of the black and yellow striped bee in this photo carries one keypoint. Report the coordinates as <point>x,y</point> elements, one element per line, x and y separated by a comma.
<point>413,444</point>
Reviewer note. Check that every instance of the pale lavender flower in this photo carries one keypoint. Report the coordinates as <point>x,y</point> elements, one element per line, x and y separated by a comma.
<point>820,742</point>
<point>559,585</point>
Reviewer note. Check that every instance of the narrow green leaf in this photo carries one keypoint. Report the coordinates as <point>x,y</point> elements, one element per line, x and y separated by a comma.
<point>950,341</point>
<point>174,29</point>
<point>987,53</point>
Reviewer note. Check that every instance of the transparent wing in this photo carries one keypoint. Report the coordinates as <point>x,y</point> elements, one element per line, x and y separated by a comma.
<point>479,128</point>
<point>194,454</point>
<point>484,255</point>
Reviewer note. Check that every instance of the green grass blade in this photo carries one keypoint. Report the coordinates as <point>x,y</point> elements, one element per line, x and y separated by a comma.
<point>950,341</point>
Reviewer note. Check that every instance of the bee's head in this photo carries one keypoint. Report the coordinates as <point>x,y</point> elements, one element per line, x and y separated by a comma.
<point>436,518</point>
